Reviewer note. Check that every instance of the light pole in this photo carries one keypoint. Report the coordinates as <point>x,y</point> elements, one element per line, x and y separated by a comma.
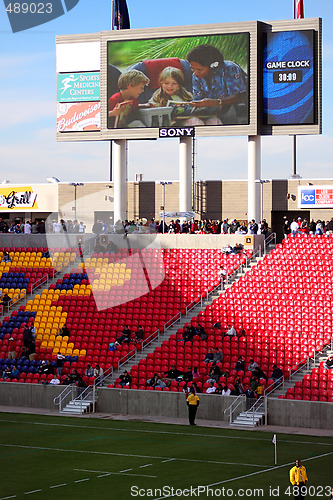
<point>262,182</point>
<point>75,184</point>
<point>163,184</point>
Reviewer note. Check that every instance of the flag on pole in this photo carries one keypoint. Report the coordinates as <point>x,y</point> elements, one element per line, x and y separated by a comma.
<point>275,449</point>
<point>121,16</point>
<point>299,10</point>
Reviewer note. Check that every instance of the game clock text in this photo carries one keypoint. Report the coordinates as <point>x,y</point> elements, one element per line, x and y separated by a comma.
<point>287,76</point>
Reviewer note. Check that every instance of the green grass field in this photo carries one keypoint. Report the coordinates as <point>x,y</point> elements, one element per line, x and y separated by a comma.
<point>88,459</point>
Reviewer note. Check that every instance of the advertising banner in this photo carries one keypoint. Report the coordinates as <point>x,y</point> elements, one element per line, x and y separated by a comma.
<point>78,87</point>
<point>288,78</point>
<point>178,81</point>
<point>78,117</point>
<point>188,215</point>
<point>31,198</point>
<point>315,196</point>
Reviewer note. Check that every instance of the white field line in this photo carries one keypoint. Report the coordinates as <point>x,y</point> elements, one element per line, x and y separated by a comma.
<point>108,473</point>
<point>252,474</point>
<point>215,436</point>
<point>63,450</point>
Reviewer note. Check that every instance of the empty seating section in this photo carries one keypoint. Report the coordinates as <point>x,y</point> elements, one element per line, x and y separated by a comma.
<point>27,266</point>
<point>108,291</point>
<point>284,305</point>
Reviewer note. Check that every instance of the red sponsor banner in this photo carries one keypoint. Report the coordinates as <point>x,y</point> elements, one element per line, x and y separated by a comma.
<point>324,196</point>
<point>78,117</point>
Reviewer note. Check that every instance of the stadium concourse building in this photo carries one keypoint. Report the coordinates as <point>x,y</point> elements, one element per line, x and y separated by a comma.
<point>214,199</point>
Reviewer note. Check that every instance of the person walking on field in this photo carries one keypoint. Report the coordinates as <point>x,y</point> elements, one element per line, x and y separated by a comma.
<point>298,479</point>
<point>192,403</point>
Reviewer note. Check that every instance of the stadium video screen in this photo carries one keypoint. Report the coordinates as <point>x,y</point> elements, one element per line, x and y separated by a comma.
<point>178,81</point>
<point>288,78</point>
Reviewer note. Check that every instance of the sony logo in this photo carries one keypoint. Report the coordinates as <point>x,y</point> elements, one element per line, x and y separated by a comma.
<point>177,132</point>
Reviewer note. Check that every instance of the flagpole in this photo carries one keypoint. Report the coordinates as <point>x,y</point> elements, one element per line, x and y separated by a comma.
<point>110,154</point>
<point>294,146</point>
<point>112,14</point>
<point>274,440</point>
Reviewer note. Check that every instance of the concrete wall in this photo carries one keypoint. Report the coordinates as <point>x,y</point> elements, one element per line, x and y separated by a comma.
<point>282,412</point>
<point>159,404</point>
<point>292,413</point>
<point>28,395</point>
<point>135,240</point>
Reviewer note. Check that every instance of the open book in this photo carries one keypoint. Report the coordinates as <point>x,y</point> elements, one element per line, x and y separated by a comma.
<point>186,110</point>
<point>121,120</point>
<point>180,109</point>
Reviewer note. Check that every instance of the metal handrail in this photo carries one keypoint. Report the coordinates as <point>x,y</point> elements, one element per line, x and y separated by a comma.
<point>153,336</point>
<point>69,389</point>
<point>34,286</point>
<point>234,405</point>
<point>256,407</point>
<point>13,301</point>
<point>268,240</point>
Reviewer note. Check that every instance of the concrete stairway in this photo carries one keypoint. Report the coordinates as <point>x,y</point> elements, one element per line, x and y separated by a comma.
<point>249,420</point>
<point>77,407</point>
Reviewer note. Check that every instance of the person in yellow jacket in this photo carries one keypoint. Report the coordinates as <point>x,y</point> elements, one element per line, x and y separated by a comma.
<point>193,402</point>
<point>298,479</point>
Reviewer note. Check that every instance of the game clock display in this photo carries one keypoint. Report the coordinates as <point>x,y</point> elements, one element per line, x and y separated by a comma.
<point>288,78</point>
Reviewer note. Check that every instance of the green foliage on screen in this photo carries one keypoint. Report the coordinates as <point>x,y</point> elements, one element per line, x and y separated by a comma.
<point>234,47</point>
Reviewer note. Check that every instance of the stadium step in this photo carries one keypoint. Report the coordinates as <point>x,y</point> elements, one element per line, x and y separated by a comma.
<point>77,407</point>
<point>245,419</point>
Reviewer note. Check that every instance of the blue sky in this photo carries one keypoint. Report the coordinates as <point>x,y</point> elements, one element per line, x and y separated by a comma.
<point>28,148</point>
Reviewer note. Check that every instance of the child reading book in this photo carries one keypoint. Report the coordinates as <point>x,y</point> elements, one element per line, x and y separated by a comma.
<point>173,93</point>
<point>171,81</point>
<point>124,104</point>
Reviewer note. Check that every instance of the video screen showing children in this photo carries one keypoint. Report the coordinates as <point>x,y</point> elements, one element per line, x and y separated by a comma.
<point>188,81</point>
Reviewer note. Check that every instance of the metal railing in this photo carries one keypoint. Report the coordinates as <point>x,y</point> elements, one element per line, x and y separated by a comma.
<point>239,401</point>
<point>155,336</point>
<point>258,405</point>
<point>23,296</point>
<point>268,240</point>
<point>69,390</point>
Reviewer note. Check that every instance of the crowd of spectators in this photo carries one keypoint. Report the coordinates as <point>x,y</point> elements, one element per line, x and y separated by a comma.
<point>176,226</point>
<point>140,226</point>
<point>20,227</point>
<point>302,226</point>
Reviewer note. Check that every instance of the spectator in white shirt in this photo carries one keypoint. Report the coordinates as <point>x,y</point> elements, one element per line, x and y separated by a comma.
<point>211,389</point>
<point>226,391</point>
<point>55,380</point>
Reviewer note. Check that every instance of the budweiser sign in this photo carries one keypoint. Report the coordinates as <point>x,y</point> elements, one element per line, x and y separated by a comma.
<point>78,117</point>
